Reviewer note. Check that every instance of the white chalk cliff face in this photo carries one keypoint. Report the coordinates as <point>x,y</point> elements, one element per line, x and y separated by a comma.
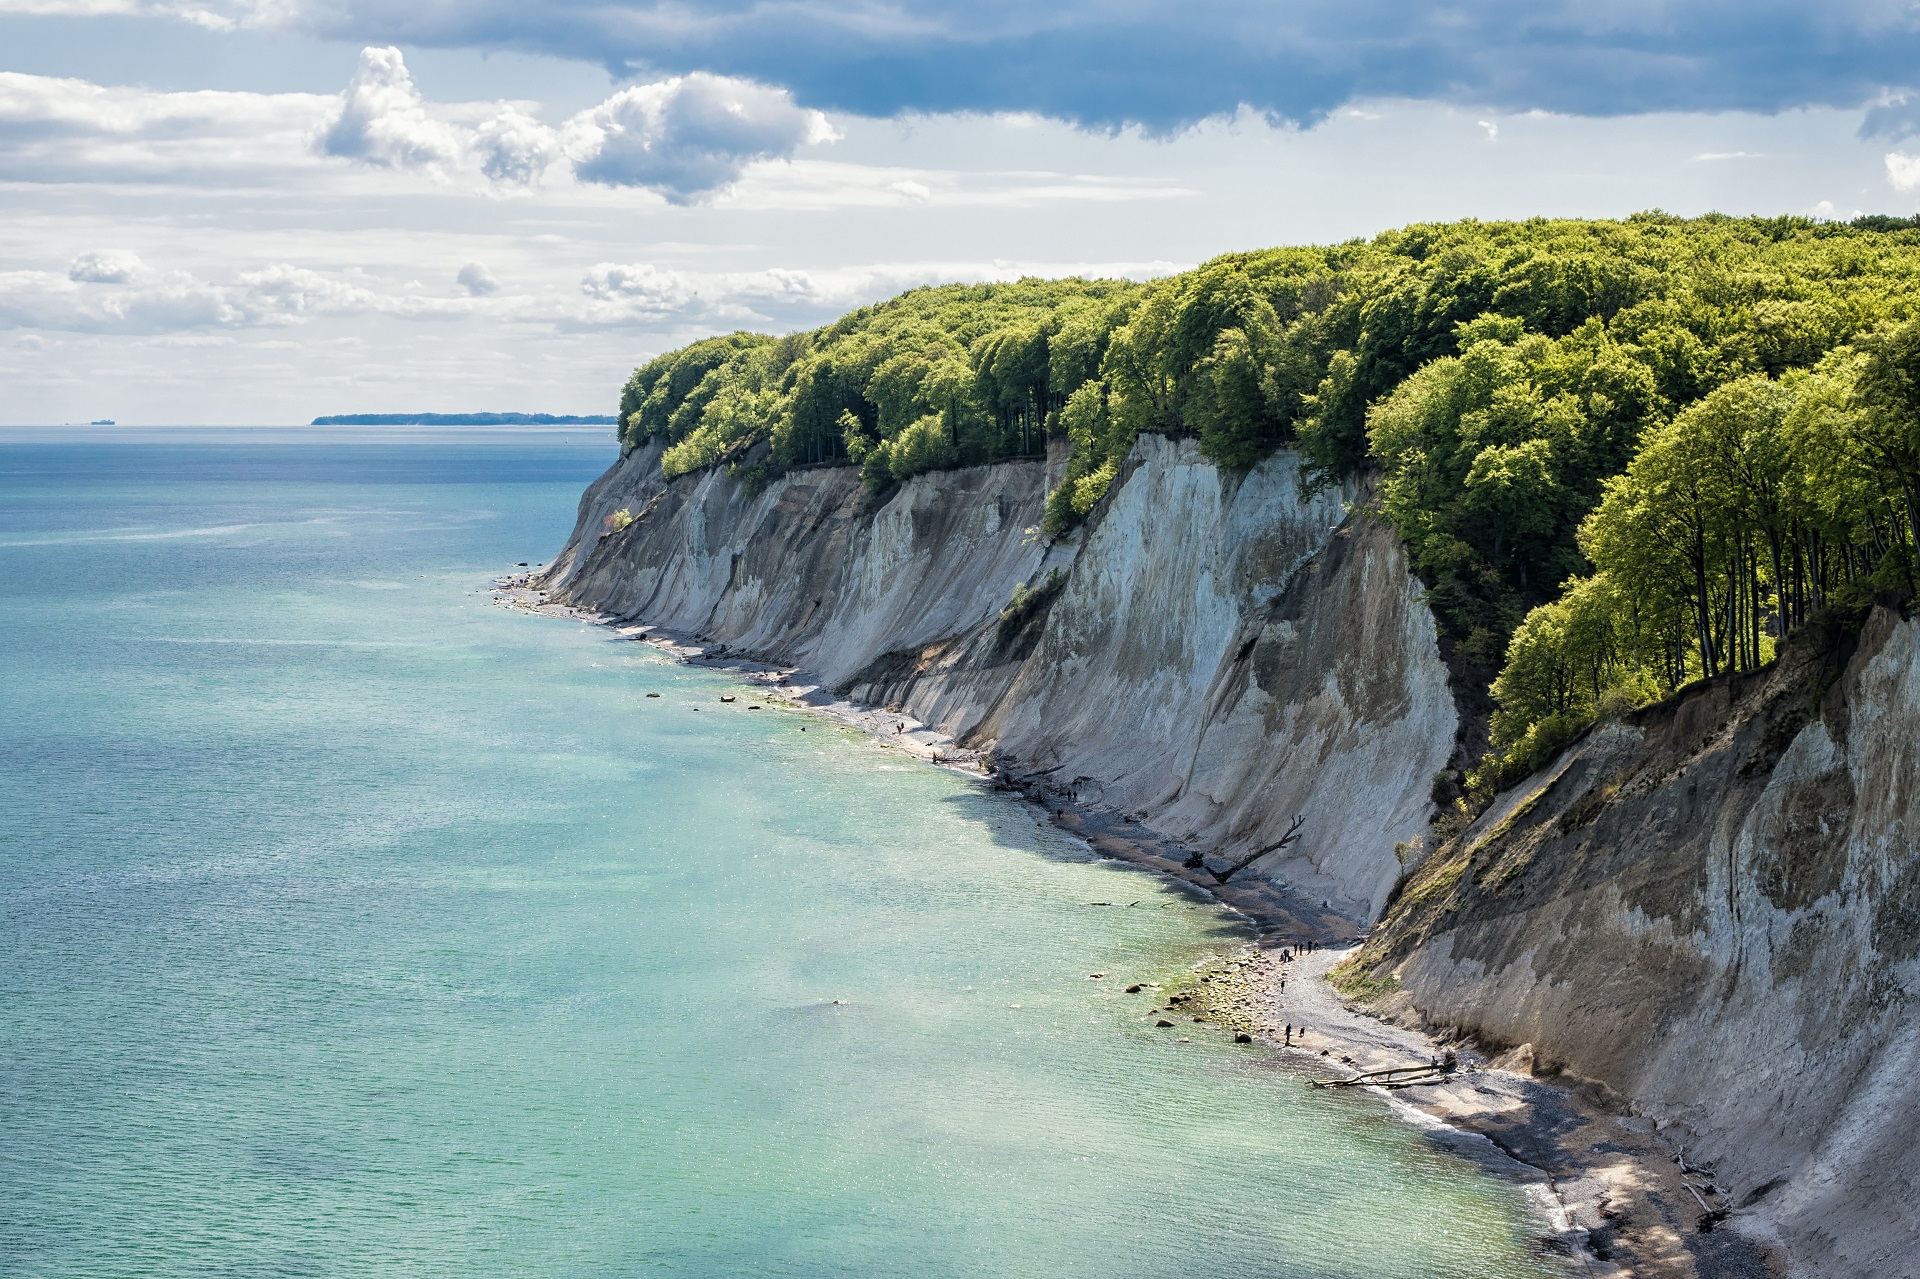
<point>1713,908</point>
<point>1225,655</point>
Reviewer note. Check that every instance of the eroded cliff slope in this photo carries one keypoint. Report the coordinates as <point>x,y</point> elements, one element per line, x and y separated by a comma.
<point>1713,909</point>
<point>1218,654</point>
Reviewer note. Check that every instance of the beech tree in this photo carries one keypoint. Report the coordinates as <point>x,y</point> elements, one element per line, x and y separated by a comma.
<point>1682,438</point>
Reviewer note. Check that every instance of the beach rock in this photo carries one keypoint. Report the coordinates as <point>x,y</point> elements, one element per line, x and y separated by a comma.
<point>1134,989</point>
<point>1163,1023</point>
<point>1243,1038</point>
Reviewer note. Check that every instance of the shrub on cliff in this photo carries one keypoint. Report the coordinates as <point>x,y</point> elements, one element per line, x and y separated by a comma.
<point>1024,610</point>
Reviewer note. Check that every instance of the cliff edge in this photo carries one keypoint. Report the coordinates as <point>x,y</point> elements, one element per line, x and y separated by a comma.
<point>1225,658</point>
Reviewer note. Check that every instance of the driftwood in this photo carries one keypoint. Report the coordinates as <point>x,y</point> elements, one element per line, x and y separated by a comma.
<point>1197,862</point>
<point>1397,1077</point>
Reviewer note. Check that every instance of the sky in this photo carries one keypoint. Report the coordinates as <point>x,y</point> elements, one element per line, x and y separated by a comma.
<point>259,211</point>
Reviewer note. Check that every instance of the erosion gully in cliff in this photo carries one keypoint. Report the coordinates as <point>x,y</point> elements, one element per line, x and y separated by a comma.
<point>1704,920</point>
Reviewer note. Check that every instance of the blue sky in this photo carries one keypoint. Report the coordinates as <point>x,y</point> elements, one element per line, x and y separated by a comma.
<point>262,210</point>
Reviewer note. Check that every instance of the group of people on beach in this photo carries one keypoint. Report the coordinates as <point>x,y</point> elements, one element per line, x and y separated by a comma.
<point>1286,957</point>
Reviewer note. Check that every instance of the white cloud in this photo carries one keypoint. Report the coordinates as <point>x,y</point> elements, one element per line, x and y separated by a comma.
<point>383,119</point>
<point>477,280</point>
<point>1903,171</point>
<point>513,147</point>
<point>106,268</point>
<point>63,130</point>
<point>685,138</point>
<point>689,136</point>
<point>143,301</point>
<point>640,290</point>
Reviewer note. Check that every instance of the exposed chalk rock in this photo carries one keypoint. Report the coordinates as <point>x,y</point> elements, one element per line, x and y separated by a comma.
<point>1226,653</point>
<point>1713,908</point>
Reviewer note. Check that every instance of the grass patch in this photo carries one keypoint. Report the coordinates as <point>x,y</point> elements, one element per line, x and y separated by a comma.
<point>1356,981</point>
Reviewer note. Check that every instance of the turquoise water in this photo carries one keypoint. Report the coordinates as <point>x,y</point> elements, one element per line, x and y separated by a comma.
<point>353,925</point>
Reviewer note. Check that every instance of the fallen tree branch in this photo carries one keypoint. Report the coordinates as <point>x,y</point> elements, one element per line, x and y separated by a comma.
<point>1197,862</point>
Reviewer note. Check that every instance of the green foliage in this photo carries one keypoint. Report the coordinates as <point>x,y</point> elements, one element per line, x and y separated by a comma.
<point>1752,512</point>
<point>1027,605</point>
<point>991,364</point>
<point>1703,430</point>
<point>661,388</point>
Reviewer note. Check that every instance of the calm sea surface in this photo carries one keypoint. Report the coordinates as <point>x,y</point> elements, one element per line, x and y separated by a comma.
<point>353,925</point>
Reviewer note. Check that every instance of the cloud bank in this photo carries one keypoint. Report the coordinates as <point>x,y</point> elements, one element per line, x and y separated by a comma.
<point>1108,62</point>
<point>686,138</point>
<point>113,293</point>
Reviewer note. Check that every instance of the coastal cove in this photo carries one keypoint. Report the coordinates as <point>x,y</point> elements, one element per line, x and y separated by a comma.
<point>359,926</point>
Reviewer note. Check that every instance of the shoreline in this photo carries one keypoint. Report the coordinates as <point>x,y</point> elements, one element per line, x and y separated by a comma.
<point>1613,1192</point>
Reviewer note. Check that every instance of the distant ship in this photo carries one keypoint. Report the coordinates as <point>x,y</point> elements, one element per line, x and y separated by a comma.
<point>105,421</point>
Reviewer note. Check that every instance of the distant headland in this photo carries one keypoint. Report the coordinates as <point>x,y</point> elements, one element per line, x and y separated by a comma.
<point>460,419</point>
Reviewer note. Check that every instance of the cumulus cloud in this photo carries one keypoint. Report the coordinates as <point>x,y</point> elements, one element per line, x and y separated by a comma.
<point>383,119</point>
<point>1164,65</point>
<point>687,136</point>
<point>476,280</point>
<point>515,148</point>
<point>1903,171</point>
<point>684,137</point>
<point>106,268</point>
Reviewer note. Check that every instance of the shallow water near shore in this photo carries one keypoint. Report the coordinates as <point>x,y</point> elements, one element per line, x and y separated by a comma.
<point>354,925</point>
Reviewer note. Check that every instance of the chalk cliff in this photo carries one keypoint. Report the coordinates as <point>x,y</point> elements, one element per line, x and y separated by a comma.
<point>1218,655</point>
<point>1712,908</point>
<point>1709,909</point>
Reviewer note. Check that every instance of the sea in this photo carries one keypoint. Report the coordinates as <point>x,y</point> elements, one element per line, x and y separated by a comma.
<point>352,924</point>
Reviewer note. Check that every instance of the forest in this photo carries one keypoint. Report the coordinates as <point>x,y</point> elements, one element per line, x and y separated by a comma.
<point>1623,455</point>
